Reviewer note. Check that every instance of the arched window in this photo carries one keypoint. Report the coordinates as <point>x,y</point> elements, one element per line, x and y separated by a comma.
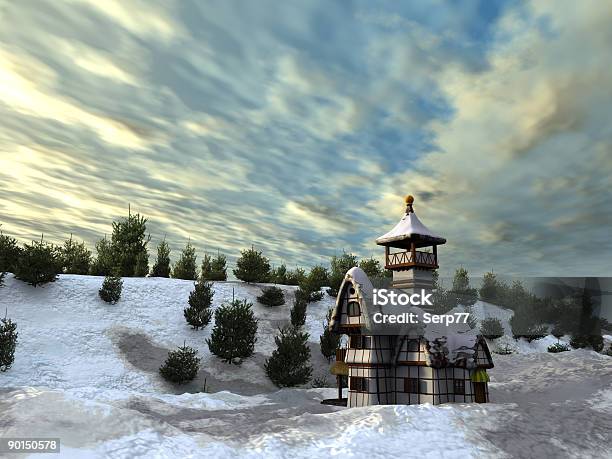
<point>353,309</point>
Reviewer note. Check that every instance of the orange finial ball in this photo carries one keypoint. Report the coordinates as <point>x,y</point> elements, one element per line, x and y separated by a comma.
<point>409,199</point>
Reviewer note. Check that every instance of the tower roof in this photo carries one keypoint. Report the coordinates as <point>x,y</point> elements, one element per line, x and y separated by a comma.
<point>410,229</point>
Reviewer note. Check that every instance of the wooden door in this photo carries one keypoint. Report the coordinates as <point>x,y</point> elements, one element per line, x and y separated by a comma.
<point>480,392</point>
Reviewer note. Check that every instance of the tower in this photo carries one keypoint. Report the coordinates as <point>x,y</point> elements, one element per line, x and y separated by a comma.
<point>416,259</point>
<point>405,366</point>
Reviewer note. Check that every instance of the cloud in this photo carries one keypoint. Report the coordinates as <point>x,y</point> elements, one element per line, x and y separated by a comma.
<point>525,162</point>
<point>299,131</point>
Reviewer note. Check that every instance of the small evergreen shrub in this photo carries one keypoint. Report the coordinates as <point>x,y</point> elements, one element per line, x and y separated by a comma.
<point>318,277</point>
<point>298,312</point>
<point>491,328</point>
<point>329,341</point>
<point>252,266</point>
<point>214,269</point>
<point>185,267</point>
<point>235,331</point>
<point>303,293</point>
<point>105,259</point>
<point>558,347</point>
<point>141,268</point>
<point>75,257</point>
<point>584,341</point>
<point>9,253</point>
<point>339,267</point>
<point>219,268</point>
<point>181,366</point>
<point>111,288</point>
<point>506,350</point>
<point>279,275</point>
<point>161,267</point>
<point>462,292</point>
<point>129,246</point>
<point>608,351</point>
<point>271,296</point>
<point>199,312</point>
<point>2,276</point>
<point>8,343</point>
<point>289,364</point>
<point>38,264</point>
<point>319,382</point>
<point>371,267</point>
<point>537,332</point>
<point>295,277</point>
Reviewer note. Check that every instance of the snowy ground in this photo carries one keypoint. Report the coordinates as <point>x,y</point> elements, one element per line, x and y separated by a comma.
<point>87,372</point>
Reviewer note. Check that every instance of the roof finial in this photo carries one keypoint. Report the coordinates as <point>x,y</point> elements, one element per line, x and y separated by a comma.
<point>409,200</point>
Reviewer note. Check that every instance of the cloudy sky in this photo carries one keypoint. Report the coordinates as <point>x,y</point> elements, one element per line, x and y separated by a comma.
<point>298,126</point>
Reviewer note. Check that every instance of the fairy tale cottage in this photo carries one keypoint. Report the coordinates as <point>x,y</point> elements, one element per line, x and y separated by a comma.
<point>421,364</point>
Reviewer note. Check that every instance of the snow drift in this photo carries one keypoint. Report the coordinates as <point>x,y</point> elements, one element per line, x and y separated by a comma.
<point>86,372</point>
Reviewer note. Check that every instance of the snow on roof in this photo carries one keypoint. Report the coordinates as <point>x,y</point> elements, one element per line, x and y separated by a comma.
<point>364,289</point>
<point>408,227</point>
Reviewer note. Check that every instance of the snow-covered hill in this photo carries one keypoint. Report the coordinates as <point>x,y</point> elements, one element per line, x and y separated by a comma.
<point>86,372</point>
<point>69,337</point>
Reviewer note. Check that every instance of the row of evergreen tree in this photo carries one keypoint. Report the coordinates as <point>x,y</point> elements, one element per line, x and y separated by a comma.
<point>125,254</point>
<point>533,317</point>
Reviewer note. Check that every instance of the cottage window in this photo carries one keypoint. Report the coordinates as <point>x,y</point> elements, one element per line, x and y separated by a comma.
<point>358,384</point>
<point>359,342</point>
<point>411,385</point>
<point>459,386</point>
<point>353,309</point>
<point>413,345</point>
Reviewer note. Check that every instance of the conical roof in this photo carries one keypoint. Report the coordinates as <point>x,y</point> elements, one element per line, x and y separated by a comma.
<point>410,229</point>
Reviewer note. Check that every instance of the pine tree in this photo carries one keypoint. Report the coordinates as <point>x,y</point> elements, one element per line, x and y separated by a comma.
<point>185,267</point>
<point>491,328</point>
<point>181,366</point>
<point>9,253</point>
<point>279,275</point>
<point>489,288</point>
<point>2,276</point>
<point>234,334</point>
<point>443,301</point>
<point>141,269</point>
<point>161,268</point>
<point>8,343</point>
<point>587,331</point>
<point>199,312</point>
<point>206,268</point>
<point>339,266</point>
<point>252,266</point>
<point>219,268</point>
<point>76,258</point>
<point>289,364</point>
<point>329,341</point>
<point>462,291</point>
<point>371,267</point>
<point>39,263</point>
<point>296,277</point>
<point>111,288</point>
<point>271,296</point>
<point>129,245</point>
<point>105,258</point>
<point>310,286</point>
<point>298,312</point>
<point>318,277</point>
